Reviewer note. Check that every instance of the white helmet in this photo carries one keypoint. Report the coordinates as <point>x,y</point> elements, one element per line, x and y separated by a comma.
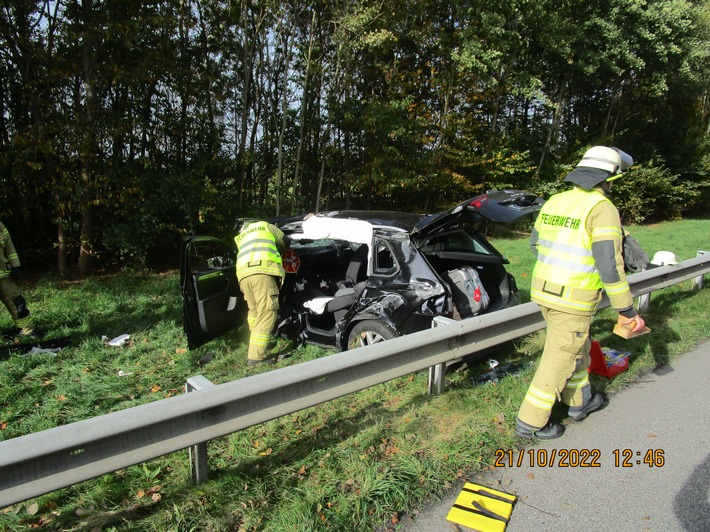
<point>611,160</point>
<point>664,258</point>
<point>599,164</point>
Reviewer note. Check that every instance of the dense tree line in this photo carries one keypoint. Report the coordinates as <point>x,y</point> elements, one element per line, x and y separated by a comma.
<point>128,123</point>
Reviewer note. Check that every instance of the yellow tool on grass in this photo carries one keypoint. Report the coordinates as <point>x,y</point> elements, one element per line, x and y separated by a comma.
<point>482,508</point>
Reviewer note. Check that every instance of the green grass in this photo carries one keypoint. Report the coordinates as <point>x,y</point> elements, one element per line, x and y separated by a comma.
<point>356,463</point>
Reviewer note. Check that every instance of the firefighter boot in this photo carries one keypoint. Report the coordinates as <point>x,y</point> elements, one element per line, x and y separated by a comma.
<point>597,402</point>
<point>269,361</point>
<point>548,432</point>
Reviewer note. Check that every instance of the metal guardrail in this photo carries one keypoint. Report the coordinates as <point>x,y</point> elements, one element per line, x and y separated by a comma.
<point>45,461</point>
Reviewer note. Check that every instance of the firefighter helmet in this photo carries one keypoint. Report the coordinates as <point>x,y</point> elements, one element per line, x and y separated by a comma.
<point>599,164</point>
<point>241,223</point>
<point>664,258</point>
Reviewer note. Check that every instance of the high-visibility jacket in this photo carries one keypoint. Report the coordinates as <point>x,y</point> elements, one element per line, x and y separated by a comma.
<point>8,255</point>
<point>566,275</point>
<point>258,252</point>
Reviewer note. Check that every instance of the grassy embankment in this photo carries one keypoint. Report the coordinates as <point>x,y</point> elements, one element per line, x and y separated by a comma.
<point>356,463</point>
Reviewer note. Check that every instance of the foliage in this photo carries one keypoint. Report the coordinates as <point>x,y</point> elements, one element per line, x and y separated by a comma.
<point>128,124</point>
<point>651,193</point>
<point>646,193</point>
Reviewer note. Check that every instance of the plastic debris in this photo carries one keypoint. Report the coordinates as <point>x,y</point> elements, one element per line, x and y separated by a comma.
<point>496,373</point>
<point>118,341</point>
<point>39,351</point>
<point>615,358</point>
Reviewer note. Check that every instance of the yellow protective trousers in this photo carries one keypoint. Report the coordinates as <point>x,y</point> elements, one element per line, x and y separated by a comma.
<point>262,296</point>
<point>11,296</point>
<point>562,373</point>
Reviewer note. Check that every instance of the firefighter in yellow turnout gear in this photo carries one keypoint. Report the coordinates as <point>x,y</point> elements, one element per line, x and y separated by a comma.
<point>10,293</point>
<point>260,274</point>
<point>578,240</point>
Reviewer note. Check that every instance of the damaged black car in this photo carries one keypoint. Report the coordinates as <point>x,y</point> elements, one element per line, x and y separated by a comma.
<point>359,277</point>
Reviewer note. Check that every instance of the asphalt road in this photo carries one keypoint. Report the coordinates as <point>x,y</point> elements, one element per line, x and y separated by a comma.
<point>667,410</point>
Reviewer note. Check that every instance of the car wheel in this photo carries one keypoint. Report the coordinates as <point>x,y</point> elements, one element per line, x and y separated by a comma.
<point>370,332</point>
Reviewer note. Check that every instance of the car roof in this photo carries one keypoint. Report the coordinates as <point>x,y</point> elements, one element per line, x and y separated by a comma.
<point>352,226</point>
<point>319,227</point>
<point>406,221</point>
<point>500,206</point>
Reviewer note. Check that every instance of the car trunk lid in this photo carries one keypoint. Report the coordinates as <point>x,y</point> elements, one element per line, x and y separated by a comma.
<point>498,206</point>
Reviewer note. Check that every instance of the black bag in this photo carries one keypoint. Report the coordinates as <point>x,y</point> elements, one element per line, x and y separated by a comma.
<point>635,258</point>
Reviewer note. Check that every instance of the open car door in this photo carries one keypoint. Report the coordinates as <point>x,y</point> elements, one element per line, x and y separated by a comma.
<point>212,302</point>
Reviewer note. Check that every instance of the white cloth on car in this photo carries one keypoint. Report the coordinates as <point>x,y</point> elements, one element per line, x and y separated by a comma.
<point>320,227</point>
<point>317,305</point>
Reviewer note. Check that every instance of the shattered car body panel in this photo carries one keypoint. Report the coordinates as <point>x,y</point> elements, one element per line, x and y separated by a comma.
<point>357,277</point>
<point>396,288</point>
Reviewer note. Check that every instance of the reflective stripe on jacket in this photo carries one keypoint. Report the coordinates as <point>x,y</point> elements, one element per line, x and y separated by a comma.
<point>257,252</point>
<point>8,255</point>
<point>565,276</point>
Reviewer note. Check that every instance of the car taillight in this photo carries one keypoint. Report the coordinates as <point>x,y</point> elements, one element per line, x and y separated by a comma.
<point>477,295</point>
<point>476,203</point>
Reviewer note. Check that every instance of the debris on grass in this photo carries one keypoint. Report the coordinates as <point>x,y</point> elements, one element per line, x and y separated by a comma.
<point>116,342</point>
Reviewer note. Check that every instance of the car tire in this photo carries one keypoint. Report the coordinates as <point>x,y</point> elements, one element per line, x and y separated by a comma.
<point>369,332</point>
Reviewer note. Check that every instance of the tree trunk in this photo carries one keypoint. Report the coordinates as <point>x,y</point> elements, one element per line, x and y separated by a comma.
<point>247,48</point>
<point>253,139</point>
<point>443,124</point>
<point>304,106</point>
<point>282,130</point>
<point>608,130</point>
<point>88,208</point>
<point>553,127</point>
<point>61,238</point>
<point>326,139</point>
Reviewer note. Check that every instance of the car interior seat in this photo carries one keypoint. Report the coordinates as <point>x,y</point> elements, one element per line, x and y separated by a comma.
<point>348,289</point>
<point>356,271</point>
<point>352,286</point>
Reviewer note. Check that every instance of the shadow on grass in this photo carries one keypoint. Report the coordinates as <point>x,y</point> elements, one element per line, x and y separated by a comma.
<point>108,305</point>
<point>664,307</point>
<point>331,433</point>
<point>140,314</point>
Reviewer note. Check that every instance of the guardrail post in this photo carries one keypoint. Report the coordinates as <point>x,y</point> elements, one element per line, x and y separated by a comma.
<point>698,281</point>
<point>643,302</point>
<point>199,469</point>
<point>437,374</point>
<point>437,380</point>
